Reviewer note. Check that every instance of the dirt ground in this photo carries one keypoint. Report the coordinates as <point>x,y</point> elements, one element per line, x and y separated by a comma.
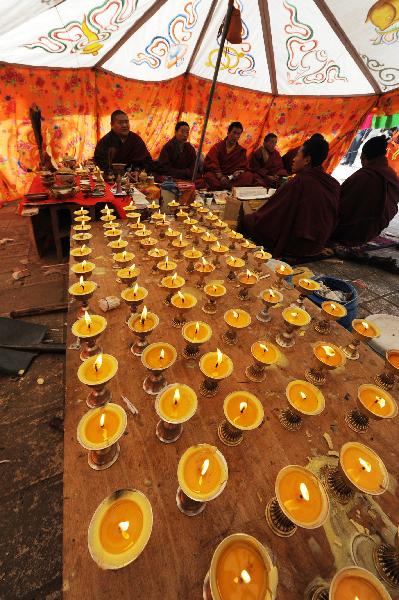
<point>31,415</point>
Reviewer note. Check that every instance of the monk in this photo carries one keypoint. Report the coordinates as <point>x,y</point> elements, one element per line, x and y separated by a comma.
<point>289,156</point>
<point>177,157</point>
<point>120,145</point>
<point>226,165</point>
<point>301,216</point>
<point>369,197</point>
<point>267,163</point>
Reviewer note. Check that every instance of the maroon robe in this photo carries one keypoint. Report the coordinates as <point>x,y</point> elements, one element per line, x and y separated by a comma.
<point>132,152</point>
<point>369,201</point>
<point>218,160</point>
<point>288,159</point>
<point>299,218</point>
<point>267,169</point>
<point>176,160</point>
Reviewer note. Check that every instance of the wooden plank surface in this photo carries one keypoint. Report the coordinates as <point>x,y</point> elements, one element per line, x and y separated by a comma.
<point>177,557</point>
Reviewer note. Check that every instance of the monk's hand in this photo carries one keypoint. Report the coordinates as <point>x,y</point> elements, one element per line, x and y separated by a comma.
<point>237,173</point>
<point>223,180</point>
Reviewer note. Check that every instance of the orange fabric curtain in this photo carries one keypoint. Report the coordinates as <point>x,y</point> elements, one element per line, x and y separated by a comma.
<point>76,106</point>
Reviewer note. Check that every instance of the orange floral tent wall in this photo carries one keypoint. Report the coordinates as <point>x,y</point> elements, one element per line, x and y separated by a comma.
<point>76,106</point>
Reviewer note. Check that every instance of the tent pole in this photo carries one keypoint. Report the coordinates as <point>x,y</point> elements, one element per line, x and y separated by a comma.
<point>213,86</point>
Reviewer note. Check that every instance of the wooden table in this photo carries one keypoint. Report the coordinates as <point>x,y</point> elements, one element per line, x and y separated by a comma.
<point>178,555</point>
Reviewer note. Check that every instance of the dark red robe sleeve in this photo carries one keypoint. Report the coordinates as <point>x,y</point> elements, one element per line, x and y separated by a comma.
<point>175,165</point>
<point>211,162</point>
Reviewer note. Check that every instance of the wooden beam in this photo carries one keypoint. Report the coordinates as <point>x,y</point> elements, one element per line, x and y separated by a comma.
<point>336,27</point>
<point>131,31</point>
<point>201,35</point>
<point>268,41</point>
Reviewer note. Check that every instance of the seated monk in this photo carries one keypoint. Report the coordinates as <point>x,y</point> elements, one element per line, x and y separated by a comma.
<point>288,157</point>
<point>177,157</point>
<point>120,145</point>
<point>267,163</point>
<point>225,165</point>
<point>369,197</point>
<point>299,218</point>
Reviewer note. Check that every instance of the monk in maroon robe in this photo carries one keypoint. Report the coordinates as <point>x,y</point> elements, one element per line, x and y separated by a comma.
<point>369,197</point>
<point>267,163</point>
<point>177,157</point>
<point>301,216</point>
<point>288,157</point>
<point>120,145</point>
<point>226,164</point>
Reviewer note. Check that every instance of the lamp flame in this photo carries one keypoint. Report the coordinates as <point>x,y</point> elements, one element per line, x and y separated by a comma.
<point>218,244</point>
<point>162,354</point>
<point>84,264</point>
<point>272,294</point>
<point>329,351</point>
<point>81,281</point>
<point>143,315</point>
<point>106,208</point>
<point>87,319</point>
<point>245,577</point>
<point>102,419</point>
<point>197,326</point>
<point>304,491</point>
<point>205,467</point>
<point>169,230</point>
<point>174,277</point>
<point>123,528</point>
<point>98,362</point>
<point>365,324</point>
<point>176,396</point>
<point>204,261</point>
<point>294,314</point>
<point>83,248</point>
<point>264,347</point>
<point>380,401</point>
<point>181,296</point>
<point>243,406</point>
<point>124,255</point>
<point>180,238</point>
<point>136,287</point>
<point>333,306</point>
<point>235,314</point>
<point>303,395</point>
<point>166,260</point>
<point>219,357</point>
<point>365,465</point>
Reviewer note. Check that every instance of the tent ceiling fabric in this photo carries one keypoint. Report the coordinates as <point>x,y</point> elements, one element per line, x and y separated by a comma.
<point>320,47</point>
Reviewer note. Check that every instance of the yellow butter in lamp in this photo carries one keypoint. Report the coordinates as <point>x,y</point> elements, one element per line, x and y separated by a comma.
<point>334,309</point>
<point>89,326</point>
<point>300,495</point>
<point>237,318</point>
<point>154,358</point>
<point>235,262</point>
<point>83,267</point>
<point>363,467</point>
<point>134,293</point>
<point>202,471</point>
<point>243,410</point>
<point>185,300</point>
<point>169,265</point>
<point>128,272</point>
<point>173,282</point>
<point>265,352</point>
<point>82,251</point>
<point>215,290</point>
<point>309,284</point>
<point>263,255</point>
<point>296,316</point>
<point>352,587</point>
<point>157,252</point>
<point>241,573</point>
<point>193,253</point>
<point>102,425</point>
<point>118,244</point>
<point>219,248</point>
<point>248,278</point>
<point>393,358</point>
<point>122,257</point>
<point>365,328</point>
<point>98,369</point>
<point>80,289</point>
<point>216,366</point>
<point>141,323</point>
<point>304,396</point>
<point>377,401</point>
<point>197,332</point>
<point>272,296</point>
<point>329,354</point>
<point>204,267</point>
<point>113,232</point>
<point>177,403</point>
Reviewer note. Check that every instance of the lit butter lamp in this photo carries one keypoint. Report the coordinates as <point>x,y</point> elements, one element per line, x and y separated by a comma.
<point>243,412</point>
<point>88,329</point>
<point>359,469</point>
<point>142,325</point>
<point>174,406</point>
<point>195,333</point>
<point>135,225</point>
<point>162,226</point>
<point>128,275</point>
<point>304,399</point>
<point>171,234</point>
<point>181,215</point>
<point>108,217</point>
<point>264,355</point>
<point>120,529</point>
<point>294,319</point>
<point>157,358</point>
<point>357,583</point>
<point>306,287</point>
<point>202,474</point>
<point>81,211</point>
<point>191,256</point>
<point>213,291</point>
<point>96,372</point>
<point>262,258</point>
<point>82,227</point>
<point>208,239</point>
<point>81,237</point>
<point>156,254</point>
<point>99,431</point>
<point>204,268</point>
<point>363,331</point>
<point>82,219</point>
<point>215,366</point>
<point>235,319</point>
<point>247,246</point>
<point>117,245</point>
<point>211,219</point>
<point>156,216</point>
<point>113,233</point>
<point>107,210</point>
<point>300,501</point>
<point>269,298</point>
<point>188,224</point>
<point>122,258</point>
<point>183,302</point>
<point>372,403</point>
<point>140,234</point>
<point>134,296</point>
<point>246,280</point>
<point>82,292</point>
<point>234,264</point>
<point>196,233</point>
<point>220,225</point>
<point>331,311</point>
<point>234,236</point>
<point>326,357</point>
<point>130,209</point>
<point>84,268</point>
<point>282,271</point>
<point>172,283</point>
<point>81,253</point>
<point>218,250</point>
<point>179,244</point>
<point>386,561</point>
<point>386,379</point>
<point>241,568</point>
<point>166,266</point>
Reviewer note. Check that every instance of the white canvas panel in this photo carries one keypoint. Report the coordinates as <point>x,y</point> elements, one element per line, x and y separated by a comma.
<point>14,13</point>
<point>162,48</point>
<point>72,34</point>
<point>244,64</point>
<point>310,58</point>
<point>373,29</point>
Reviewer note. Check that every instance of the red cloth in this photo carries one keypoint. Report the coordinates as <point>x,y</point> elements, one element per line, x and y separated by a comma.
<point>38,188</point>
<point>132,152</point>
<point>369,201</point>
<point>177,161</point>
<point>218,160</point>
<point>300,217</point>
<point>288,159</point>
<point>266,169</point>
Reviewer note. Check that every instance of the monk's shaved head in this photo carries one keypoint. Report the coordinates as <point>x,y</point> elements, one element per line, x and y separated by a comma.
<point>317,150</point>
<point>116,114</point>
<point>235,125</point>
<point>377,146</point>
